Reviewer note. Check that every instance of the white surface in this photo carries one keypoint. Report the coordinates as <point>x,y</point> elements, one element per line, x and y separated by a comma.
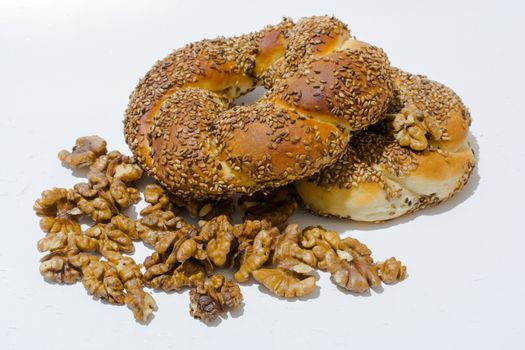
<point>66,70</point>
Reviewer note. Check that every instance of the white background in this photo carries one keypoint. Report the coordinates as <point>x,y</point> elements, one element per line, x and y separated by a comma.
<point>66,70</point>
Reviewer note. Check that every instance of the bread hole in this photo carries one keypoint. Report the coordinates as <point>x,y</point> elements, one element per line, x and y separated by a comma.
<point>251,97</point>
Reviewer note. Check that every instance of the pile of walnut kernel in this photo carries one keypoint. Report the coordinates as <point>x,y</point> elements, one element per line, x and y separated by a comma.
<point>263,247</point>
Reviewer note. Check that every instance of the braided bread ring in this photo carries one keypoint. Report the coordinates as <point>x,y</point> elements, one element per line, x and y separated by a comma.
<point>322,86</point>
<point>417,156</point>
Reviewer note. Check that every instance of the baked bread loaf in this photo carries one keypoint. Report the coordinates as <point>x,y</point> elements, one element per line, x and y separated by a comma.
<point>322,86</point>
<point>416,156</point>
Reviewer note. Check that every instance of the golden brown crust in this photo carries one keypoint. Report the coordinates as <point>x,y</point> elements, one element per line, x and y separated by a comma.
<point>181,130</point>
<point>350,88</point>
<point>184,142</point>
<point>274,149</point>
<point>271,47</point>
<point>378,179</point>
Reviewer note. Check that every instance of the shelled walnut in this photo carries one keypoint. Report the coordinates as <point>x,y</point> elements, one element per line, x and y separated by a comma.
<point>187,274</point>
<point>115,237</point>
<point>246,231</point>
<point>411,128</point>
<point>56,267</point>
<point>275,207</point>
<point>97,204</point>
<point>391,270</point>
<point>288,249</point>
<point>285,283</point>
<point>209,298</point>
<point>158,217</point>
<point>256,255</point>
<point>101,204</point>
<point>115,165</point>
<point>140,302</point>
<point>58,210</point>
<point>108,189</point>
<point>85,151</point>
<point>218,235</point>
<point>71,242</point>
<point>100,278</point>
<point>291,276</point>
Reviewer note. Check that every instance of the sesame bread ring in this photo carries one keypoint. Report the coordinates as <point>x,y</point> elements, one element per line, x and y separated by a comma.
<point>322,86</point>
<point>417,156</point>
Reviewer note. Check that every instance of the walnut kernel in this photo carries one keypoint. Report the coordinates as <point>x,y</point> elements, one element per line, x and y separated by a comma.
<point>85,152</point>
<point>213,296</point>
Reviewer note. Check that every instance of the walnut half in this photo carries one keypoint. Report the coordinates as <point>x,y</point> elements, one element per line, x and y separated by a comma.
<point>58,210</point>
<point>286,284</point>
<point>214,296</point>
<point>291,277</point>
<point>411,127</point>
<point>256,255</point>
<point>85,151</point>
<point>391,270</point>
